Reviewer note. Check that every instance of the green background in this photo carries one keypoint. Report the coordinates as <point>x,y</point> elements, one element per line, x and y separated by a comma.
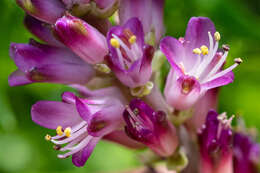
<point>22,144</point>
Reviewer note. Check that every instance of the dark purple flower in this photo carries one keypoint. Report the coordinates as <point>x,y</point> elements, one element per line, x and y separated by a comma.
<point>45,10</point>
<point>149,12</point>
<point>215,140</point>
<point>151,128</point>
<point>79,123</point>
<point>130,58</point>
<point>246,154</point>
<point>196,64</point>
<point>42,63</point>
<point>83,39</point>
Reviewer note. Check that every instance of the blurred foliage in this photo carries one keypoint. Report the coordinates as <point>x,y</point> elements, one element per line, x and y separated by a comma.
<point>23,148</point>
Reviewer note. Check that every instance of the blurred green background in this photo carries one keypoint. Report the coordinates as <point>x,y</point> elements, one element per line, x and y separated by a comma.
<point>22,144</point>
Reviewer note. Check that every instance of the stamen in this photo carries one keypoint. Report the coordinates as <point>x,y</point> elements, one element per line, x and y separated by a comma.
<point>217,36</point>
<point>59,130</point>
<point>102,68</point>
<point>238,61</point>
<point>48,137</point>
<point>225,47</point>
<point>222,73</point>
<point>204,50</point>
<point>197,51</point>
<point>132,39</point>
<point>115,43</point>
<point>182,67</point>
<point>67,132</point>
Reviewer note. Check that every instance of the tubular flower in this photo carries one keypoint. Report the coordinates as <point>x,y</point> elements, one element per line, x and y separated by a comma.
<point>149,12</point>
<point>42,63</point>
<point>86,41</point>
<point>151,128</point>
<point>215,140</point>
<point>79,123</point>
<point>196,63</point>
<point>130,58</point>
<point>48,10</point>
<point>246,154</point>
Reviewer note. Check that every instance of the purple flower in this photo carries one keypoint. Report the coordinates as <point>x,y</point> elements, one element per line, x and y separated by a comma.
<point>79,123</point>
<point>130,58</point>
<point>48,10</point>
<point>151,128</point>
<point>149,12</point>
<point>196,64</point>
<point>83,39</point>
<point>42,63</point>
<point>215,140</point>
<point>246,154</point>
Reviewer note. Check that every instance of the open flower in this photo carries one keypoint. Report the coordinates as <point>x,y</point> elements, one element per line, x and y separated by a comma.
<point>42,63</point>
<point>79,123</point>
<point>151,128</point>
<point>149,12</point>
<point>215,140</point>
<point>196,63</point>
<point>246,154</point>
<point>130,58</point>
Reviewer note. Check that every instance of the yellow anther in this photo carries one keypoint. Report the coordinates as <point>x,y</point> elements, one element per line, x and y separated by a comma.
<point>115,43</point>
<point>67,132</point>
<point>59,131</point>
<point>217,36</point>
<point>204,50</point>
<point>48,137</point>
<point>197,51</point>
<point>132,39</point>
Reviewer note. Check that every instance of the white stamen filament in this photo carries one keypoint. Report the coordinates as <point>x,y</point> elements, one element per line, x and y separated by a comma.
<point>124,46</point>
<point>77,148</point>
<point>222,73</point>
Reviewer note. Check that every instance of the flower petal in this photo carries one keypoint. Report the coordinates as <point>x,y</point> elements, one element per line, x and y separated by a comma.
<point>51,114</point>
<point>79,159</point>
<point>223,80</point>
<point>18,78</point>
<point>197,32</point>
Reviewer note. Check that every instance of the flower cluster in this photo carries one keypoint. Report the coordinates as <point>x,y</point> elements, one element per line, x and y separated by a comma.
<point>111,51</point>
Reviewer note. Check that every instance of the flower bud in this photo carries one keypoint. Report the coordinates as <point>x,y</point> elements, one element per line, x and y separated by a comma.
<point>82,38</point>
<point>48,10</point>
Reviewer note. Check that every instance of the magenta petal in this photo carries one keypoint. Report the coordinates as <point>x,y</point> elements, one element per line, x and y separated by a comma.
<point>48,10</point>
<point>223,80</point>
<point>79,159</point>
<point>83,109</point>
<point>51,114</point>
<point>197,32</point>
<point>41,30</point>
<point>174,52</point>
<point>81,38</point>
<point>18,78</point>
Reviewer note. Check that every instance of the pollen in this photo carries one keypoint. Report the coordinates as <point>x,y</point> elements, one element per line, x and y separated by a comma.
<point>48,137</point>
<point>132,39</point>
<point>204,50</point>
<point>115,43</point>
<point>217,36</point>
<point>67,132</point>
<point>197,51</point>
<point>59,131</point>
